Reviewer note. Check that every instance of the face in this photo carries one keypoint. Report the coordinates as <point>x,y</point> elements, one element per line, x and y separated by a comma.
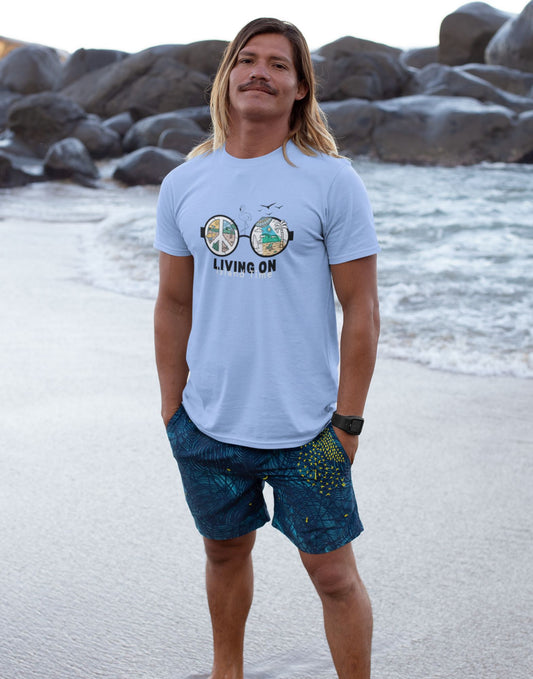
<point>263,84</point>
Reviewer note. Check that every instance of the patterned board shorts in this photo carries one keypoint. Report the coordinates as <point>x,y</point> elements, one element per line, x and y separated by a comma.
<point>314,500</point>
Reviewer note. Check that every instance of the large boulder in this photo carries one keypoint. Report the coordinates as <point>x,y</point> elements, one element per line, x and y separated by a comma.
<point>7,45</point>
<point>465,33</point>
<point>70,159</point>
<point>149,82</point>
<point>31,69</point>
<point>446,131</point>
<point>418,57</point>
<point>352,123</point>
<point>446,81</point>
<point>508,79</point>
<point>521,140</point>
<point>10,175</point>
<point>512,46</point>
<point>100,140</point>
<point>203,56</point>
<point>85,61</point>
<point>147,132</point>
<point>42,119</point>
<point>354,68</point>
<point>148,165</point>
<point>7,99</point>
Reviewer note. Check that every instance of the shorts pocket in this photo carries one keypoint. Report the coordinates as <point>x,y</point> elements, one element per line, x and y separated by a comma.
<point>175,418</point>
<point>339,444</point>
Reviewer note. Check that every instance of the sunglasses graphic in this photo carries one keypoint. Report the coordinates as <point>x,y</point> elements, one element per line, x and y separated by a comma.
<point>269,236</point>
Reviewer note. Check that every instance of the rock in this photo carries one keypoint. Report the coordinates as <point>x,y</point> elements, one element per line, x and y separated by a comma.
<point>100,140</point>
<point>203,56</point>
<point>445,81</point>
<point>152,81</point>
<point>7,99</point>
<point>120,123</point>
<point>465,33</point>
<point>147,132</point>
<point>69,159</point>
<point>352,123</point>
<point>419,57</point>
<point>7,45</point>
<point>352,68</point>
<point>148,165</point>
<point>42,119</point>
<point>85,61</point>
<point>512,46</point>
<point>11,176</point>
<point>31,69</point>
<point>178,140</point>
<point>521,141</point>
<point>508,79</point>
<point>446,131</point>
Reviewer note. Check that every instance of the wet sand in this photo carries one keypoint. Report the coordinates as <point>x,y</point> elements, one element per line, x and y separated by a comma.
<point>102,570</point>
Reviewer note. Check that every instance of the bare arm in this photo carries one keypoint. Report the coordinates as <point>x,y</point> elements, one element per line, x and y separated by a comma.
<point>172,325</point>
<point>356,287</point>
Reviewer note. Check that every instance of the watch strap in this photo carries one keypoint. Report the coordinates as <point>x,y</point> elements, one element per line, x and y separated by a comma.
<point>349,423</point>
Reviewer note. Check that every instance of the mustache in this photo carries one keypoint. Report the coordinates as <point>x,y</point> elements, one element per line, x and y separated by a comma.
<point>257,85</point>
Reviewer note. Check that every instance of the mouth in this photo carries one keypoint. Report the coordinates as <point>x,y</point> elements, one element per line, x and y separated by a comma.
<point>257,87</point>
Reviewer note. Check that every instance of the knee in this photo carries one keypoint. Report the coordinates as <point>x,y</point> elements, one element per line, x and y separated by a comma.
<point>334,581</point>
<point>224,552</point>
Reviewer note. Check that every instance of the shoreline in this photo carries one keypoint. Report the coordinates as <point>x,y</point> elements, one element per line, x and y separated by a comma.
<point>103,570</point>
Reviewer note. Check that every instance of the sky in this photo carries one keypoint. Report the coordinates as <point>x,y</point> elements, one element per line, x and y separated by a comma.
<point>134,26</point>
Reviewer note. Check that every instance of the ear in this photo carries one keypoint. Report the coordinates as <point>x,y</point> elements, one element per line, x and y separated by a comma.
<point>302,90</point>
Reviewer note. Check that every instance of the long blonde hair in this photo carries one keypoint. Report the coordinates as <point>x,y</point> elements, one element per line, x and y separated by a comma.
<point>307,125</point>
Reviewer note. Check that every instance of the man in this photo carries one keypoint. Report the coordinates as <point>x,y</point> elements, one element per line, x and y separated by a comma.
<point>253,229</point>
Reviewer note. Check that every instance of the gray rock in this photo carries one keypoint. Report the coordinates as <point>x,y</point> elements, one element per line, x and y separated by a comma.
<point>84,61</point>
<point>10,175</point>
<point>465,33</point>
<point>42,119</point>
<point>508,79</point>
<point>152,81</point>
<point>147,132</point>
<point>352,68</point>
<point>148,165</point>
<point>420,57</point>
<point>445,81</point>
<point>446,131</point>
<point>352,123</point>
<point>120,123</point>
<point>203,56</point>
<point>7,99</point>
<point>31,69</point>
<point>181,141</point>
<point>512,46</point>
<point>521,141</point>
<point>100,140</point>
<point>69,159</point>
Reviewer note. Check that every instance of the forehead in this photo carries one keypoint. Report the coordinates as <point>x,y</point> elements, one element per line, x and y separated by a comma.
<point>271,45</point>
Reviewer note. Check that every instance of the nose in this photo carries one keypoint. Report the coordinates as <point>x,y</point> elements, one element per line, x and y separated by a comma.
<point>259,71</point>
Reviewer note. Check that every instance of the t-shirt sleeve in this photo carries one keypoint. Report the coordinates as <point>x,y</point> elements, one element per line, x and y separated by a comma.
<point>349,230</point>
<point>168,236</point>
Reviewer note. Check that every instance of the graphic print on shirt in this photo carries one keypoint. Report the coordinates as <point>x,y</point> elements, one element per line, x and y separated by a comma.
<point>268,237</point>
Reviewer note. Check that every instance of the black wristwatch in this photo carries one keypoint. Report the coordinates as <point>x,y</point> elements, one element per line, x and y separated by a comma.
<point>349,423</point>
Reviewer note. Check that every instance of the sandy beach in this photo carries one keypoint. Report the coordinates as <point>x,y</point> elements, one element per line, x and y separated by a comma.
<point>102,570</point>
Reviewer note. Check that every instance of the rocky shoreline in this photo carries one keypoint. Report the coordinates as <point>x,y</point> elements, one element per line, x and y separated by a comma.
<point>465,101</point>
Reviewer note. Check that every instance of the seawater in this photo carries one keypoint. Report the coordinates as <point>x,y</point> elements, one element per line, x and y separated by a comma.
<point>455,271</point>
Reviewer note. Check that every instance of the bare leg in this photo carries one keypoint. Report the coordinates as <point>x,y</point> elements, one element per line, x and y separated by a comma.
<point>347,610</point>
<point>229,583</point>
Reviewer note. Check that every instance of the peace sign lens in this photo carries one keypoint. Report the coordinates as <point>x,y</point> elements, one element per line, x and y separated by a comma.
<point>269,236</point>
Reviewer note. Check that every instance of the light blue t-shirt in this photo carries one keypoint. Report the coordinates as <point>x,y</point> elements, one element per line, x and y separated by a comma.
<point>263,349</point>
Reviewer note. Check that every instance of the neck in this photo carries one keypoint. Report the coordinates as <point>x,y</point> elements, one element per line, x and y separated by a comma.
<point>251,139</point>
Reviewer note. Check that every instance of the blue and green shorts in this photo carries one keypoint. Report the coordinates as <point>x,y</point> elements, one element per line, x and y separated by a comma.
<point>314,500</point>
